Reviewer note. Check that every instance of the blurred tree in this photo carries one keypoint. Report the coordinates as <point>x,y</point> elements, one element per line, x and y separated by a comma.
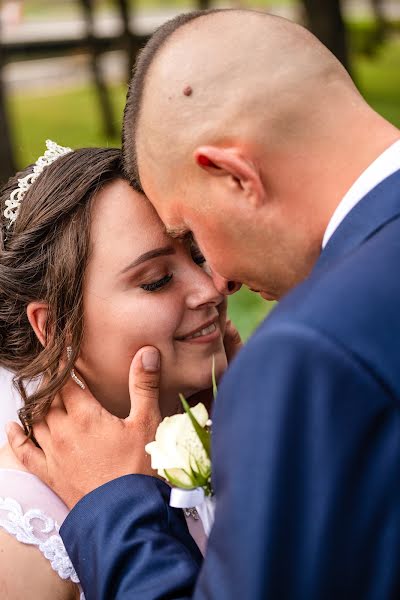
<point>7,166</point>
<point>325,20</point>
<point>381,26</point>
<point>88,7</point>
<point>7,163</point>
<point>203,4</point>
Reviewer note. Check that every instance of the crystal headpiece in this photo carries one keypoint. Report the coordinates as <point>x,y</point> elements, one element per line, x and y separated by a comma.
<point>13,204</point>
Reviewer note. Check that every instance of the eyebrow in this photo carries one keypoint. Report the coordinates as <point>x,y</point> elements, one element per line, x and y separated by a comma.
<point>179,234</point>
<point>164,251</point>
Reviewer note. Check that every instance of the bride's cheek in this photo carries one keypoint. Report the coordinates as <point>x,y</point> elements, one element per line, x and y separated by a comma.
<point>153,323</point>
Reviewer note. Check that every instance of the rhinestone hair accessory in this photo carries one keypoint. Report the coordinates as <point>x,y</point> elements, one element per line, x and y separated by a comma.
<point>13,204</point>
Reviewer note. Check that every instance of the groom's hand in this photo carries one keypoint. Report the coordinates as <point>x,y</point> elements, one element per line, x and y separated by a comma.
<point>232,341</point>
<point>82,446</point>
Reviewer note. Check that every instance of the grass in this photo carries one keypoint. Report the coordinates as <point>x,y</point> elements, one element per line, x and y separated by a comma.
<point>39,9</point>
<point>71,118</point>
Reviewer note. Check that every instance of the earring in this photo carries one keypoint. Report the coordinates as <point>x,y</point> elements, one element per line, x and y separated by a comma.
<point>73,374</point>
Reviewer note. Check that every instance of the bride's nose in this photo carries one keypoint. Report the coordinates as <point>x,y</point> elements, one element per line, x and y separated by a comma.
<point>225,286</point>
<point>203,292</point>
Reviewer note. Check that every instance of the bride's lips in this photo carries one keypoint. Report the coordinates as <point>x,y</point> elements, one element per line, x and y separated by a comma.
<point>206,333</point>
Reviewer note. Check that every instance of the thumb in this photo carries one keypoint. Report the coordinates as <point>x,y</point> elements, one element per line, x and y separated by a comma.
<point>144,382</point>
<point>232,341</point>
<point>25,450</point>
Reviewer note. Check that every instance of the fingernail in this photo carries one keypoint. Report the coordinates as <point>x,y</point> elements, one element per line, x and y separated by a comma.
<point>151,360</point>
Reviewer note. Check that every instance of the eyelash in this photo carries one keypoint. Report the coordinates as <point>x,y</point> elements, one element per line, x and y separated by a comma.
<point>197,256</point>
<point>156,285</point>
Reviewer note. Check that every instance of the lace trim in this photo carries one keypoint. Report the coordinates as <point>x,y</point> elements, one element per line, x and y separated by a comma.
<point>21,525</point>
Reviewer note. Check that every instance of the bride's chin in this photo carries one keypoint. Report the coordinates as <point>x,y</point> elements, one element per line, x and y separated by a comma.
<point>204,381</point>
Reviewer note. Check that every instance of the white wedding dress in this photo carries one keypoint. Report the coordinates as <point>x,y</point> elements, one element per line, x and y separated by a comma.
<point>31,512</point>
<point>9,402</point>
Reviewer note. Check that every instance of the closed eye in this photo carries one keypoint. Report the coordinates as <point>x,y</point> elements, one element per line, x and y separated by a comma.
<point>197,256</point>
<point>154,286</point>
<point>195,251</point>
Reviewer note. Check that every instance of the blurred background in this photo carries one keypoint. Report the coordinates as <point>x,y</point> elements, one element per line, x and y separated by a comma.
<point>64,67</point>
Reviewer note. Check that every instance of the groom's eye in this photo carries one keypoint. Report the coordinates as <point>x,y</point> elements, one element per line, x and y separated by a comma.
<point>196,253</point>
<point>154,286</point>
<point>198,257</point>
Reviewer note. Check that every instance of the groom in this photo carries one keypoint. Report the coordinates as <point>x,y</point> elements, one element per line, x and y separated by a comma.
<point>245,131</point>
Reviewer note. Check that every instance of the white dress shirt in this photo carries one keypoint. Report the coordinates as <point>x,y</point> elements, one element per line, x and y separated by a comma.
<point>385,165</point>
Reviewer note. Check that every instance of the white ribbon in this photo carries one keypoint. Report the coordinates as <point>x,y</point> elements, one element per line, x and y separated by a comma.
<point>205,505</point>
<point>186,498</point>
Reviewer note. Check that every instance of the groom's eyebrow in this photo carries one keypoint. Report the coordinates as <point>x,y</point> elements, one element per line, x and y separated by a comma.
<point>179,234</point>
<point>164,251</point>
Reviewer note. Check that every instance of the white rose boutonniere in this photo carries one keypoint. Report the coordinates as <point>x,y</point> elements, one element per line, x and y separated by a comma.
<point>181,454</point>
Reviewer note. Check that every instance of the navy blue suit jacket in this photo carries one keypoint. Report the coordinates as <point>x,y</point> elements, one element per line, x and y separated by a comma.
<point>306,451</point>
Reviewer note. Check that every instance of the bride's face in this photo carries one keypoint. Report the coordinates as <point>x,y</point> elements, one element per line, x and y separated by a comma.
<point>143,288</point>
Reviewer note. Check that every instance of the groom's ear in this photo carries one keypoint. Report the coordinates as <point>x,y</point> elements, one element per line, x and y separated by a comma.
<point>37,317</point>
<point>238,172</point>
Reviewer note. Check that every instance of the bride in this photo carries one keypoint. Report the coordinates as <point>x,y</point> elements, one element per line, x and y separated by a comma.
<point>87,277</point>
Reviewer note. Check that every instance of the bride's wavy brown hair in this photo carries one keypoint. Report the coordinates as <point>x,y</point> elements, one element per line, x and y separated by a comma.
<point>43,257</point>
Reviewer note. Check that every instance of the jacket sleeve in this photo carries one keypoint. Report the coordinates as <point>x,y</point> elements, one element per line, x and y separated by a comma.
<point>306,454</point>
<point>126,542</point>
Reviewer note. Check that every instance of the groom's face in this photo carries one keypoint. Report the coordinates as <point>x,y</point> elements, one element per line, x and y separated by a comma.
<point>240,244</point>
<point>184,216</point>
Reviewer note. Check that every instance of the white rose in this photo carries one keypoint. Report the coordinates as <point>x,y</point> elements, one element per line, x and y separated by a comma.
<point>177,453</point>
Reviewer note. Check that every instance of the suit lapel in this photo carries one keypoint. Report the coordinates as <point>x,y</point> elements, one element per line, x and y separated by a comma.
<point>378,207</point>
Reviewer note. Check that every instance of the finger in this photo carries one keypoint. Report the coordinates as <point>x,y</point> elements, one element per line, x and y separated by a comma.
<point>54,419</point>
<point>41,430</point>
<point>232,341</point>
<point>26,452</point>
<point>56,412</point>
<point>41,433</point>
<point>58,403</point>
<point>144,382</point>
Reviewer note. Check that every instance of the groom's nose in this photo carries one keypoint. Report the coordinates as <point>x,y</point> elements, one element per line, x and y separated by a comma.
<point>225,286</point>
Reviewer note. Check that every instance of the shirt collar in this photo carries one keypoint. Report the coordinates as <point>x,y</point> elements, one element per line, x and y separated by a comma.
<point>385,165</point>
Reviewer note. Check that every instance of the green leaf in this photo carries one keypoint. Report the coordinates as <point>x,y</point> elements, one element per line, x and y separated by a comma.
<point>201,475</point>
<point>175,482</point>
<point>203,435</point>
<point>214,381</point>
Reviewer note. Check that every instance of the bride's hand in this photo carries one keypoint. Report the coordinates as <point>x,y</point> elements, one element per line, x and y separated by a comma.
<point>82,446</point>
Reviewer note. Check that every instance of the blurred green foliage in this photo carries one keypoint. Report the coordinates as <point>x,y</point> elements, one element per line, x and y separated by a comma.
<point>363,32</point>
<point>50,9</point>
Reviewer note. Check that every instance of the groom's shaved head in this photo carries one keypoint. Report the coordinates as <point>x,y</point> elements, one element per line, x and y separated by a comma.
<point>202,70</point>
<point>135,93</point>
<point>242,128</point>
